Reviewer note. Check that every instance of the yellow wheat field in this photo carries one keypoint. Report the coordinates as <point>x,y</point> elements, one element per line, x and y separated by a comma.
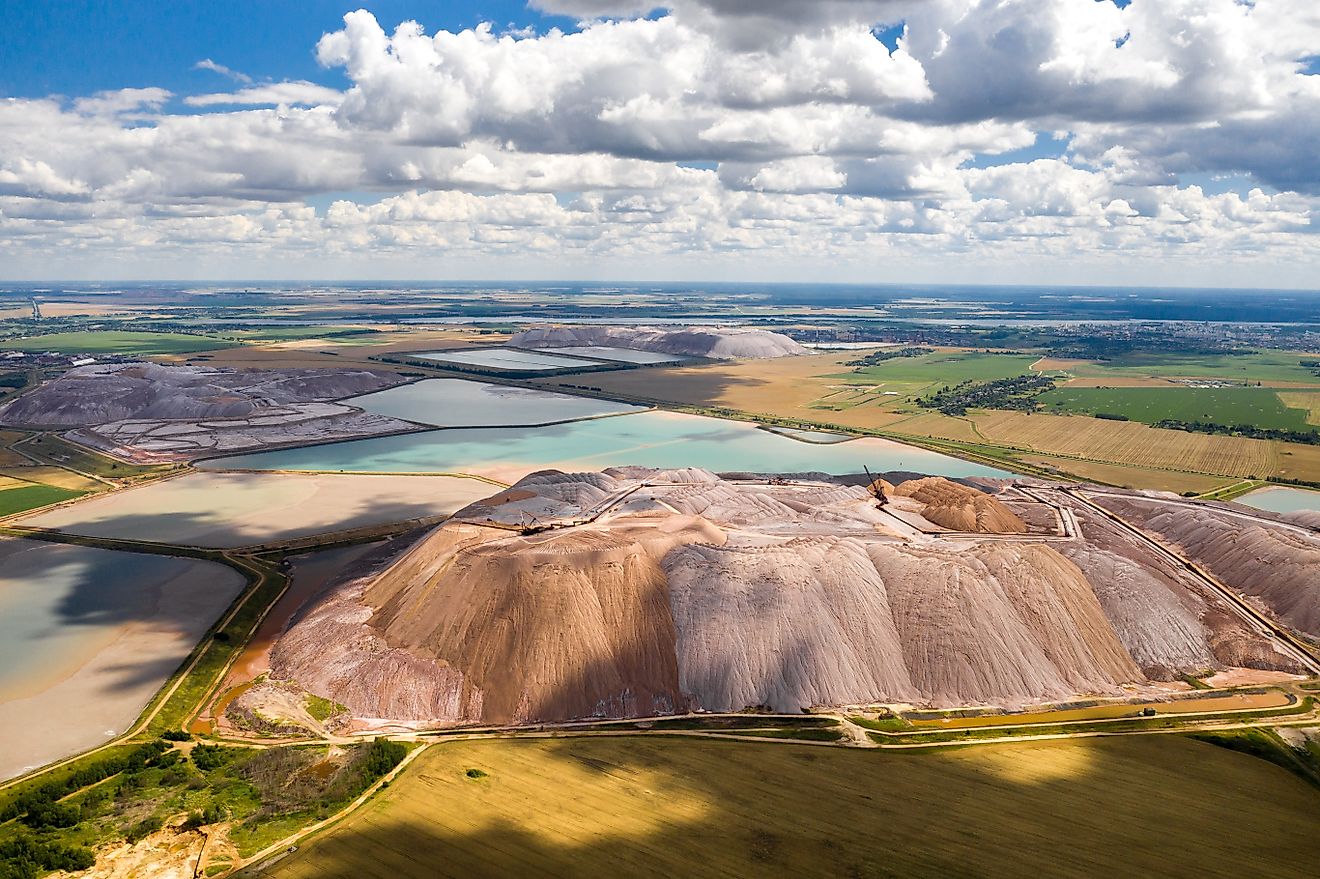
<point>934,424</point>
<point>1127,442</point>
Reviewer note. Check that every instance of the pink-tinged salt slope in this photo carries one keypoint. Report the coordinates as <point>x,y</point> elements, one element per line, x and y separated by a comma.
<point>1277,562</point>
<point>668,591</point>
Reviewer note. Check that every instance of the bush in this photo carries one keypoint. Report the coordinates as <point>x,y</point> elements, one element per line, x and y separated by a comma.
<point>143,828</point>
<point>475,773</point>
<point>212,814</point>
<point>167,759</point>
<point>144,755</point>
<point>176,735</point>
<point>42,816</point>
<point>208,757</point>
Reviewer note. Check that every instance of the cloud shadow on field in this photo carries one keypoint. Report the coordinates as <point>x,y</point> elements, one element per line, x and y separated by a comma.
<point>667,806</point>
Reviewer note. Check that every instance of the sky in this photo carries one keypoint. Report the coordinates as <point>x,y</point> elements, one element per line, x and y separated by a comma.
<point>1150,142</point>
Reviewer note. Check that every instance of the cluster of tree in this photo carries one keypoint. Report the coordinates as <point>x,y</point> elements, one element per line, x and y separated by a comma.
<point>878,357</point>
<point>286,784</point>
<point>42,809</point>
<point>276,781</point>
<point>1309,437</point>
<point>40,800</point>
<point>207,757</point>
<point>1104,346</point>
<point>23,857</point>
<point>1313,365</point>
<point>1019,392</point>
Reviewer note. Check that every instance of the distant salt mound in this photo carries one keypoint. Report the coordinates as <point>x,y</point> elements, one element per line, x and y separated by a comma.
<point>1278,564</point>
<point>670,591</point>
<point>960,508</point>
<point>719,343</point>
<point>103,394</point>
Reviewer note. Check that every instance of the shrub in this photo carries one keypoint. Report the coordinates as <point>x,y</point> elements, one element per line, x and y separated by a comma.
<point>46,815</point>
<point>212,814</point>
<point>176,735</point>
<point>167,759</point>
<point>475,773</point>
<point>208,757</point>
<point>143,828</point>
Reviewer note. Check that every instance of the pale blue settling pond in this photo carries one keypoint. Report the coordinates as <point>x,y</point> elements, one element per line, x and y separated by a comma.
<point>504,358</point>
<point>652,439</point>
<point>1282,500</point>
<point>453,402</point>
<point>619,355</point>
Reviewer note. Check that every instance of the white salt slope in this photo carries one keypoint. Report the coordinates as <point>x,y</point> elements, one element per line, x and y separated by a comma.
<point>687,591</point>
<point>719,343</point>
<point>1278,564</point>
<point>1160,627</point>
<point>753,626</point>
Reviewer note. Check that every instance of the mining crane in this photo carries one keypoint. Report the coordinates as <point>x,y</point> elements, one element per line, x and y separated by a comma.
<point>873,486</point>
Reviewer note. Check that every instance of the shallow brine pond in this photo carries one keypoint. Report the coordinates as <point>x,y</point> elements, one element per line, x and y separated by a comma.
<point>240,509</point>
<point>652,439</point>
<point>87,636</point>
<point>619,355</point>
<point>504,358</point>
<point>1282,500</point>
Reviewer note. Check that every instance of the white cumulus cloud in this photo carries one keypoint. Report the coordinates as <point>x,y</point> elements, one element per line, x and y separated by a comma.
<point>713,136</point>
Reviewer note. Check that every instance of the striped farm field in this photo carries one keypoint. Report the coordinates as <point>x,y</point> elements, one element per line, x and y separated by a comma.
<point>1127,442</point>
<point>935,424</point>
<point>1127,476</point>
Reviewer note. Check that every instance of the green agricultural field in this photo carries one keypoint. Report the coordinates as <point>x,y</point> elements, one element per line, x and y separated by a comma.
<point>116,342</point>
<point>1262,366</point>
<point>912,375</point>
<point>288,334</point>
<point>29,497</point>
<point>1136,806</point>
<point>1255,407</point>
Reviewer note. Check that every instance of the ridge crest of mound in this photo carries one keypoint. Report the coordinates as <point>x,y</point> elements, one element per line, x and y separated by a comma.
<point>720,343</point>
<point>961,508</point>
